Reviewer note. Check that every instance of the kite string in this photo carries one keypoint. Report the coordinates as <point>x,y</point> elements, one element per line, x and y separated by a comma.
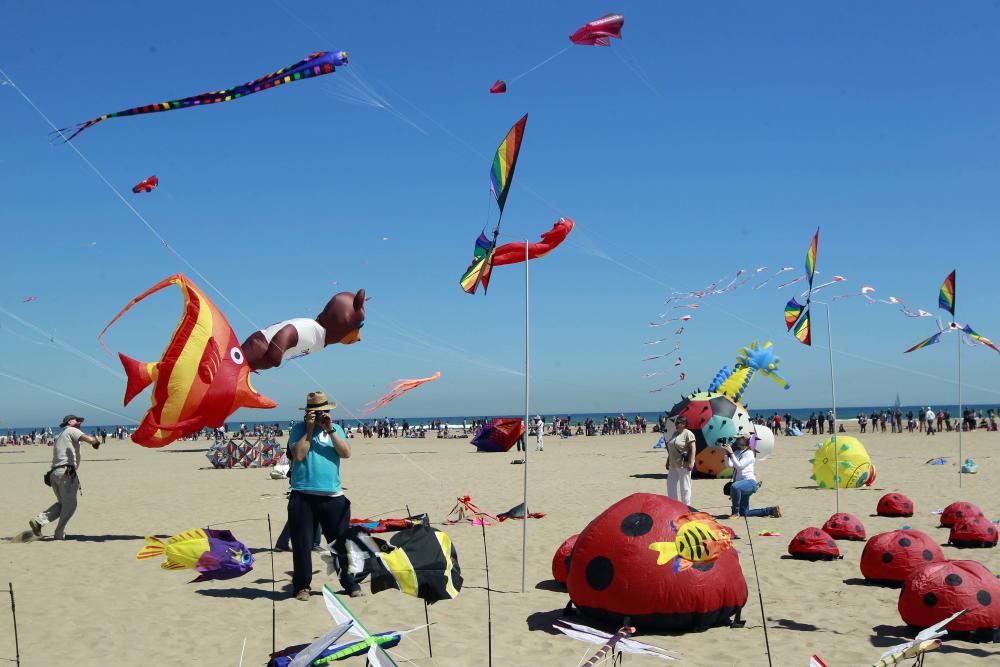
<point>760,594</point>
<point>122,198</point>
<point>66,346</point>
<point>550,58</point>
<point>81,401</point>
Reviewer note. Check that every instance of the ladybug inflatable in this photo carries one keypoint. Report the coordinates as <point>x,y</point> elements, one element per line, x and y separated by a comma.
<point>560,561</point>
<point>813,544</point>
<point>894,504</point>
<point>844,526</point>
<point>629,561</point>
<point>891,557</point>
<point>973,531</point>
<point>959,510</point>
<point>935,591</point>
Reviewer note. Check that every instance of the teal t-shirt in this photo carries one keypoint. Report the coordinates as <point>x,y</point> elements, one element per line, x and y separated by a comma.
<point>319,471</point>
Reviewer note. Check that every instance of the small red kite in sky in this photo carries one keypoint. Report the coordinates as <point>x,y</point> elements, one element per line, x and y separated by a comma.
<point>598,32</point>
<point>499,87</point>
<point>147,185</point>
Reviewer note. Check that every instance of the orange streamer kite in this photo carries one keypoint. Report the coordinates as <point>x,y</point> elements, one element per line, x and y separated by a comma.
<point>398,389</point>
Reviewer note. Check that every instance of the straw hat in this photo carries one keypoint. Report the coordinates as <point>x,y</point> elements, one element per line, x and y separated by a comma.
<point>316,400</point>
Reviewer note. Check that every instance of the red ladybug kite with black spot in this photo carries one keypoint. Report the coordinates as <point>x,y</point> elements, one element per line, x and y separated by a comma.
<point>974,532</point>
<point>845,526</point>
<point>935,591</point>
<point>894,504</point>
<point>621,567</point>
<point>813,544</point>
<point>891,557</point>
<point>960,509</point>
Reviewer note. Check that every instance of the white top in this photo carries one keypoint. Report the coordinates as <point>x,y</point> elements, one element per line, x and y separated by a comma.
<point>930,416</point>
<point>312,337</point>
<point>66,451</point>
<point>742,464</point>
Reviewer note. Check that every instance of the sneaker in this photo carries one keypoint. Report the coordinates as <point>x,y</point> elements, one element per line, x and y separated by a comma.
<point>303,595</point>
<point>356,593</point>
<point>36,528</point>
<point>775,512</point>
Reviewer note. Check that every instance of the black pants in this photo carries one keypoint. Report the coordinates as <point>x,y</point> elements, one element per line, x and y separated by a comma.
<point>333,513</point>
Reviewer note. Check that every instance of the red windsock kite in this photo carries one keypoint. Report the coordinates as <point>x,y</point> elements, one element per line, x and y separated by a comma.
<point>598,32</point>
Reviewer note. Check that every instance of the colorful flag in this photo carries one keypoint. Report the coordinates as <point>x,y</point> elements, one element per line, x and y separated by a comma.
<point>802,330</point>
<point>793,309</point>
<point>927,342</point>
<point>946,298</point>
<point>502,171</point>
<point>479,268</point>
<point>982,339</point>
<point>811,258</point>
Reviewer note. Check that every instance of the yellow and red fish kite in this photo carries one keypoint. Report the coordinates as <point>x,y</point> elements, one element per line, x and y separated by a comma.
<point>202,377</point>
<point>699,538</point>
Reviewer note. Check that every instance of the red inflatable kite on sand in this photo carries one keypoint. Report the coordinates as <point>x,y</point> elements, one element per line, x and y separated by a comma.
<point>598,31</point>
<point>498,87</point>
<point>147,185</point>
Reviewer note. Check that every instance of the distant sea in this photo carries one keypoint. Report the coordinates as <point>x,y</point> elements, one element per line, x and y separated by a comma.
<point>843,413</point>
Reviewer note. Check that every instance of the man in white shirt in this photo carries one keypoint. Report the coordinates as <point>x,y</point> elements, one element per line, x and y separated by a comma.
<point>539,427</point>
<point>930,417</point>
<point>62,476</point>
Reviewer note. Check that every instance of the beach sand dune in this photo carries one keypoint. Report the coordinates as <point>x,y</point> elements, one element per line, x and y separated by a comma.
<point>89,602</point>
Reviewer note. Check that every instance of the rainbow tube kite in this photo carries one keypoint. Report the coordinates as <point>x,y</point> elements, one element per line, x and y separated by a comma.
<point>315,64</point>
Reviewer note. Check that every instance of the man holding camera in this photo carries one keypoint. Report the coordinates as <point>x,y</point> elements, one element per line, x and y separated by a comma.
<point>315,447</point>
<point>62,476</point>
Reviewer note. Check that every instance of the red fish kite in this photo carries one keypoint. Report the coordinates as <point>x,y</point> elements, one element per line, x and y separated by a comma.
<point>511,253</point>
<point>399,388</point>
<point>498,87</point>
<point>202,377</point>
<point>599,31</point>
<point>147,185</point>
<point>30,299</point>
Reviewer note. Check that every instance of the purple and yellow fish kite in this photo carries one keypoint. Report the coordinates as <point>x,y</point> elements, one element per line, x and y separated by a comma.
<point>316,64</point>
<point>215,554</point>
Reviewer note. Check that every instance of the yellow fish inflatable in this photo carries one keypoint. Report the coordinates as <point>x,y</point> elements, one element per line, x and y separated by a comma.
<point>699,538</point>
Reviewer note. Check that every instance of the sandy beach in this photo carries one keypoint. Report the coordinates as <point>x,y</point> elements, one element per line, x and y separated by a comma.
<point>89,602</point>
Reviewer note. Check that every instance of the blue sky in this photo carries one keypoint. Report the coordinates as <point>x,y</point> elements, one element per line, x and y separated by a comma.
<point>714,136</point>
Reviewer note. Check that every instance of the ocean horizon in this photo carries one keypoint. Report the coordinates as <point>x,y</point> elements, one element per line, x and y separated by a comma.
<point>848,413</point>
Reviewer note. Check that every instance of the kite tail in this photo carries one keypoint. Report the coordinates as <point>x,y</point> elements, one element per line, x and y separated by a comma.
<point>154,549</point>
<point>76,129</point>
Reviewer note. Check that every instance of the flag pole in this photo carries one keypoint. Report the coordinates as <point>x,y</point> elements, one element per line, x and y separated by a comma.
<point>527,358</point>
<point>961,416</point>
<point>833,393</point>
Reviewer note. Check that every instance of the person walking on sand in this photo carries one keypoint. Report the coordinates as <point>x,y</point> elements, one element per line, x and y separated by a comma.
<point>539,424</point>
<point>930,417</point>
<point>62,476</point>
<point>316,447</point>
<point>681,450</point>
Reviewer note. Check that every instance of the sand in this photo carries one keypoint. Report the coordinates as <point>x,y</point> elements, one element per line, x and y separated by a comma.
<point>89,602</point>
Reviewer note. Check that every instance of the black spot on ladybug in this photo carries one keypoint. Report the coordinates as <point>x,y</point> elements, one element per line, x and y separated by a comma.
<point>887,557</point>
<point>984,598</point>
<point>802,540</point>
<point>991,530</point>
<point>831,543</point>
<point>958,514</point>
<point>858,528</point>
<point>636,524</point>
<point>704,566</point>
<point>895,497</point>
<point>953,580</point>
<point>833,524</point>
<point>815,533</point>
<point>905,542</point>
<point>928,556</point>
<point>600,572</point>
<point>930,599</point>
<point>906,506</point>
<point>967,506</point>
